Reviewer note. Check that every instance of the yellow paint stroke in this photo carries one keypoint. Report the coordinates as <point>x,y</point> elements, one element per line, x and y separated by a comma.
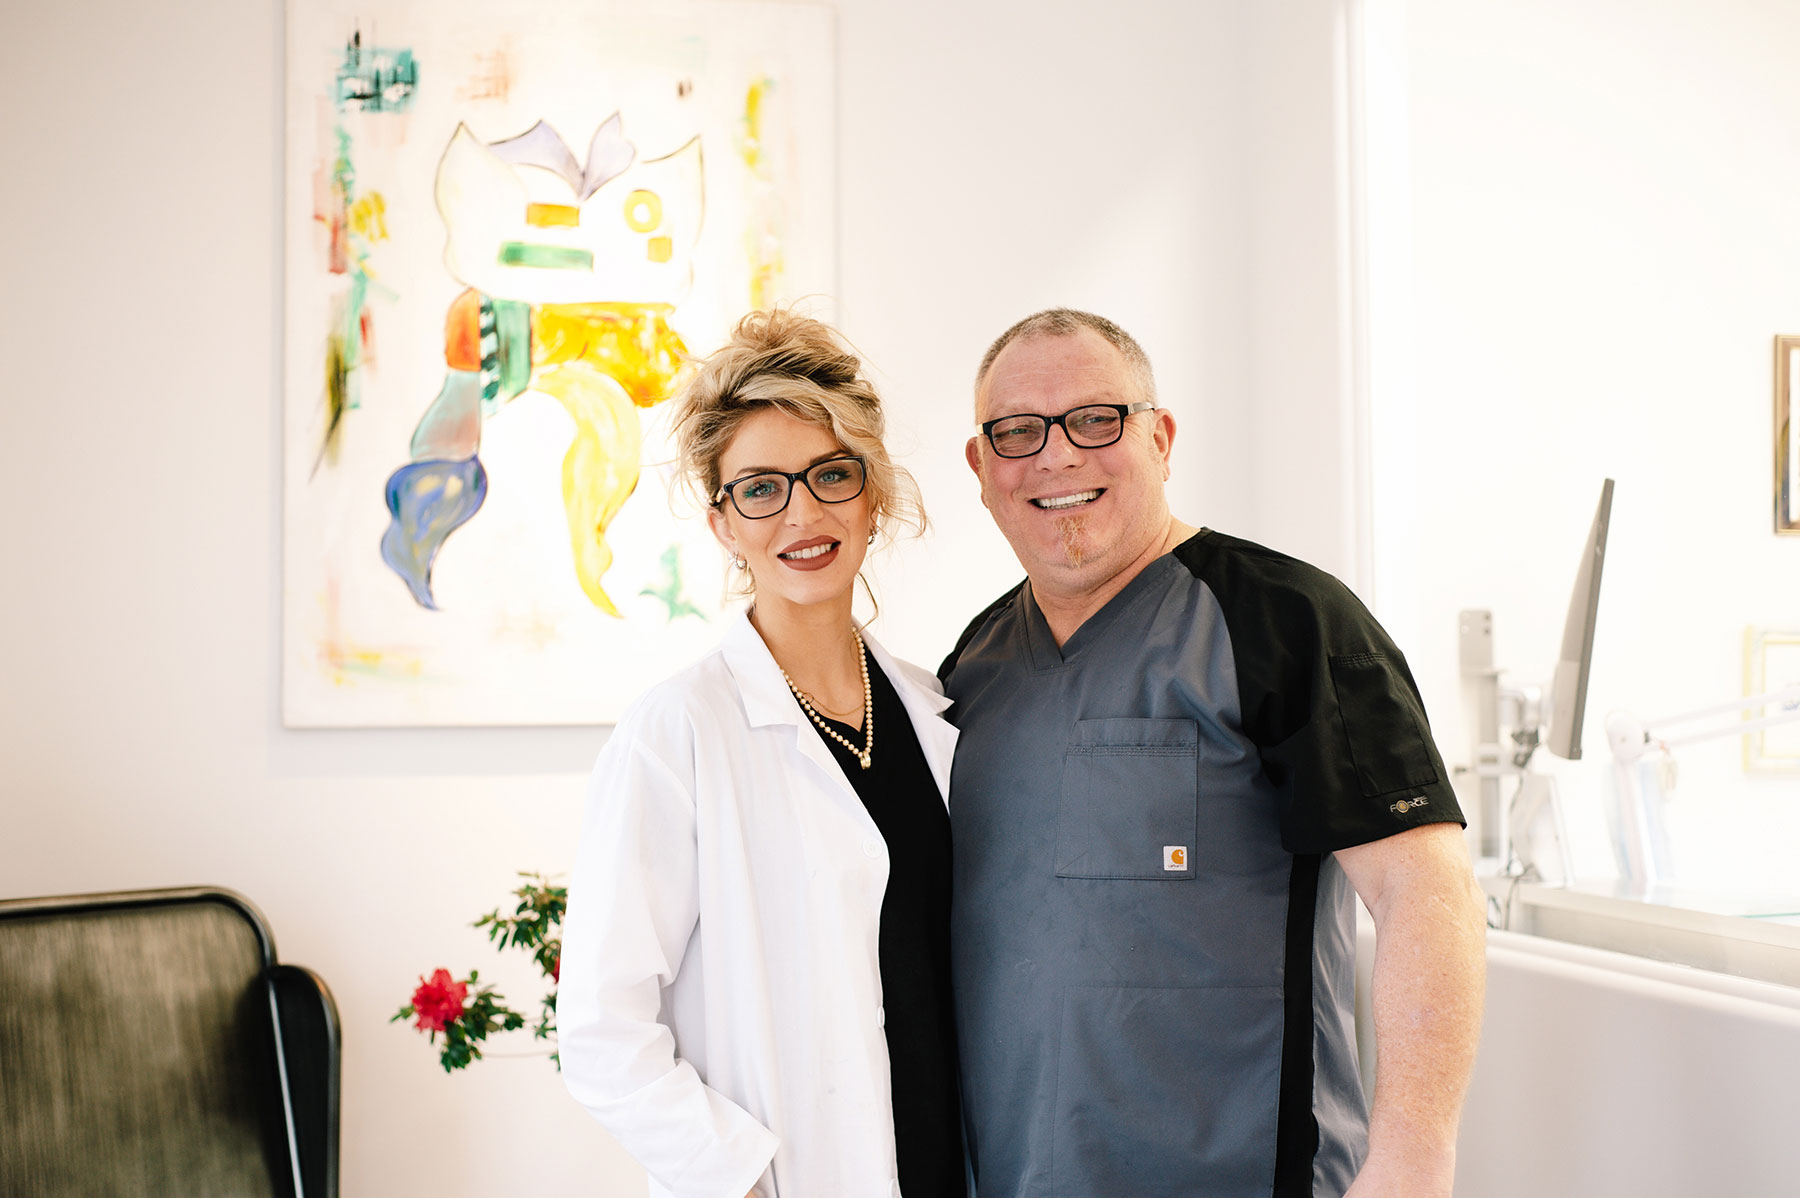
<point>346,663</point>
<point>659,249</point>
<point>368,217</point>
<point>751,148</point>
<point>631,343</point>
<point>762,235</point>
<point>602,362</point>
<point>643,211</point>
<point>553,216</point>
<point>601,468</point>
<point>535,630</point>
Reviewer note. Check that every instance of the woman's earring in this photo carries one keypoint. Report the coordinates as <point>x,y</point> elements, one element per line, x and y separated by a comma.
<point>871,538</point>
<point>739,563</point>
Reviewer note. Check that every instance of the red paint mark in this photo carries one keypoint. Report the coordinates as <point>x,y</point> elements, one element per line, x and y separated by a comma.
<point>340,244</point>
<point>365,331</point>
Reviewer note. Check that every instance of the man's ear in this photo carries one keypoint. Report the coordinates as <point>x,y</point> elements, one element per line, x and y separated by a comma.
<point>1162,435</point>
<point>972,455</point>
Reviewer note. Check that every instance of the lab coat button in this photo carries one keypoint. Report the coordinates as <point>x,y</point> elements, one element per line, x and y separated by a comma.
<point>871,848</point>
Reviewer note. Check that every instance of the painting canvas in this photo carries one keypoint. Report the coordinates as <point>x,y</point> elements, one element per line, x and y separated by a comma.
<point>508,227</point>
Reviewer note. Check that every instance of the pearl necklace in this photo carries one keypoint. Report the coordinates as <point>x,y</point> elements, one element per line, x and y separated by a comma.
<point>865,753</point>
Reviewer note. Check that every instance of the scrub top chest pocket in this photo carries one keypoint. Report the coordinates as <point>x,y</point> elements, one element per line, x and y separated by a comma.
<point>1130,798</point>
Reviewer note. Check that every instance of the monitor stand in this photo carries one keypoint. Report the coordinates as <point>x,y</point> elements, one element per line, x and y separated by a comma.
<point>1538,833</point>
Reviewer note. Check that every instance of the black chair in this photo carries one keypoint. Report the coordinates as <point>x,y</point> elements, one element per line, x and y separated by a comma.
<point>150,1044</point>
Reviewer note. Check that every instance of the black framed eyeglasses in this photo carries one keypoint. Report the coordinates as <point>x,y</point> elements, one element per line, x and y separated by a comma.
<point>759,496</point>
<point>1091,426</point>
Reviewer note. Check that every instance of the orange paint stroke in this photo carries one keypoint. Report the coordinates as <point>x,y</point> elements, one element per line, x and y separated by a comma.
<point>492,79</point>
<point>462,332</point>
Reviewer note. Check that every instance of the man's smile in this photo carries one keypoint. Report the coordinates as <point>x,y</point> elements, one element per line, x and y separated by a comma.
<point>1056,503</point>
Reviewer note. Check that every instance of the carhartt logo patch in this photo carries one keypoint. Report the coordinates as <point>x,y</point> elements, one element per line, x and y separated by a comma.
<point>1405,805</point>
<point>1174,857</point>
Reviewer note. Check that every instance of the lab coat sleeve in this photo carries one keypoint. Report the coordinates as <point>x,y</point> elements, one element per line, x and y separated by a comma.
<point>633,907</point>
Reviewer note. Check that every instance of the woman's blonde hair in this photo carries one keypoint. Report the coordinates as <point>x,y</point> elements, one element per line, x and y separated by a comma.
<point>793,364</point>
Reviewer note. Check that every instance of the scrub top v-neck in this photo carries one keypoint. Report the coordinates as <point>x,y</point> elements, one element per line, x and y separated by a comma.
<point>917,1007</point>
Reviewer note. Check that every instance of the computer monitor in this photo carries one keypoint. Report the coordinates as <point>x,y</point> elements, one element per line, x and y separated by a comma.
<point>1569,688</point>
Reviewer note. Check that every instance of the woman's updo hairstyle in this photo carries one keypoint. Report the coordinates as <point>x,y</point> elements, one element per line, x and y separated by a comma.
<point>794,364</point>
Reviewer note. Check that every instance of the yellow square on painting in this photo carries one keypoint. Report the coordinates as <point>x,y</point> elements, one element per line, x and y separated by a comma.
<point>660,249</point>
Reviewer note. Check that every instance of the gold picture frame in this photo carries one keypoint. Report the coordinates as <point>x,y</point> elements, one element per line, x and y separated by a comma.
<point>1787,449</point>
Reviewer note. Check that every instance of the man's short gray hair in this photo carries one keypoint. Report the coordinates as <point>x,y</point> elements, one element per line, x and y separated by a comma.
<point>1062,322</point>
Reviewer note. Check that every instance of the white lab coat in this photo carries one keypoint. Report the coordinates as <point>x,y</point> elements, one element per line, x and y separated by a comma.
<point>720,1003</point>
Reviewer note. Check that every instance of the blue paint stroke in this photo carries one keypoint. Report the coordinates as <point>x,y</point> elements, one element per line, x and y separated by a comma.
<point>428,501</point>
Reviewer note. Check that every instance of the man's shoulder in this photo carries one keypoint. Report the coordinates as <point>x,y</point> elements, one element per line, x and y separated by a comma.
<point>1220,559</point>
<point>1254,582</point>
<point>998,606</point>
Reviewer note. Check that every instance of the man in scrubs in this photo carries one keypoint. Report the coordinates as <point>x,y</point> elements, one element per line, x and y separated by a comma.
<point>1183,757</point>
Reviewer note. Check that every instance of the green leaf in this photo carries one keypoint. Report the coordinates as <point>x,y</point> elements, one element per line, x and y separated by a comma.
<point>535,927</point>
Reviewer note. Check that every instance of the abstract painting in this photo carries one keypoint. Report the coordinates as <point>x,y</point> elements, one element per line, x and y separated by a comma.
<point>509,227</point>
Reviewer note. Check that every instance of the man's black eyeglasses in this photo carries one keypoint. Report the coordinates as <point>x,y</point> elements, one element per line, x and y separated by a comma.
<point>1091,426</point>
<point>759,496</point>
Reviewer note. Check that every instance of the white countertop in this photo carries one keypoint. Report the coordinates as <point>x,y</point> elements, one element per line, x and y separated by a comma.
<point>1746,936</point>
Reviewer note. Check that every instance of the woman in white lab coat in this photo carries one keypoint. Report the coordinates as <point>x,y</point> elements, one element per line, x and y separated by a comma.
<point>755,993</point>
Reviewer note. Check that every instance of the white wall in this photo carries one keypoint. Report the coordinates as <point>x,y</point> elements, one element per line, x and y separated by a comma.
<point>1170,166</point>
<point>1164,164</point>
<point>1602,247</point>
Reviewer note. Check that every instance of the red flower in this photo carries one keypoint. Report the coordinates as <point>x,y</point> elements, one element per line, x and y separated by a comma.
<point>556,969</point>
<point>438,1001</point>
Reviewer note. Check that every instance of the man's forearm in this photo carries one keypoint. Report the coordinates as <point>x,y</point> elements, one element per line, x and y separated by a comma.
<point>1430,969</point>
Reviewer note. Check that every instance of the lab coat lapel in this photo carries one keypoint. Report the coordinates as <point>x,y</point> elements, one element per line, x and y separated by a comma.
<point>923,703</point>
<point>767,700</point>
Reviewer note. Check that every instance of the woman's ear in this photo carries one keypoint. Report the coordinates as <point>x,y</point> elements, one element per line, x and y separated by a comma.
<point>721,530</point>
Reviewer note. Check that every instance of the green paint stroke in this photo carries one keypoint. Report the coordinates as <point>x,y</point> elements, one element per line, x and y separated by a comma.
<point>512,321</point>
<point>369,79</point>
<point>350,258</point>
<point>346,341</point>
<point>375,78</point>
<point>668,591</point>
<point>505,351</point>
<point>548,257</point>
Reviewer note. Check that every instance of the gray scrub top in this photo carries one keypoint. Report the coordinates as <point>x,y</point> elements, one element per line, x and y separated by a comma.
<point>1151,945</point>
